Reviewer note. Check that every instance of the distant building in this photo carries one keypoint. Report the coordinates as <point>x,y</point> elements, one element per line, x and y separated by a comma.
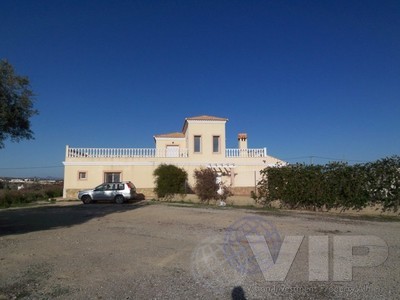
<point>17,180</point>
<point>200,144</point>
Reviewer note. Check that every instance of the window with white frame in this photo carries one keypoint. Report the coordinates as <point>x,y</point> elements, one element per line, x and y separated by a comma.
<point>112,176</point>
<point>82,175</point>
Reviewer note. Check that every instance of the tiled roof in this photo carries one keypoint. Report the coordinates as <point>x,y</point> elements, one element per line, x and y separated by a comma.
<point>170,135</point>
<point>207,118</point>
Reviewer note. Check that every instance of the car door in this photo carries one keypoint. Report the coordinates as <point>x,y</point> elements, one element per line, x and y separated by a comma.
<point>105,191</point>
<point>99,192</point>
<point>108,192</point>
<point>111,191</point>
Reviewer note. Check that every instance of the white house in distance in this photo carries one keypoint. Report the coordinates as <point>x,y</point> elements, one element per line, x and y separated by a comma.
<point>200,144</point>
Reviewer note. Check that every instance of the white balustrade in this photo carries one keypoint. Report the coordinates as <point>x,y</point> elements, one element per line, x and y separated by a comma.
<point>231,153</point>
<point>153,152</point>
<point>122,152</point>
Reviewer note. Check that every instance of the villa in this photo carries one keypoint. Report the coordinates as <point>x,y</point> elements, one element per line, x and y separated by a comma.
<point>200,144</point>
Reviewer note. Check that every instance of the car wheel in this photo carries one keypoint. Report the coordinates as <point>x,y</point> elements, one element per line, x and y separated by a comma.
<point>119,199</point>
<point>86,199</point>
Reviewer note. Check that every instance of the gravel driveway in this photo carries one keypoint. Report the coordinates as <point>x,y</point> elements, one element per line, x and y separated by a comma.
<point>140,251</point>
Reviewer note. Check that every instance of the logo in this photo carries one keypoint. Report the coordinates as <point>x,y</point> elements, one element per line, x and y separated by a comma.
<point>210,268</point>
<point>237,249</point>
<point>253,246</point>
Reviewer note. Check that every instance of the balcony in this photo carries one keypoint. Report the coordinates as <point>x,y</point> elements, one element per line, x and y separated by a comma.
<point>261,152</point>
<point>124,152</point>
<point>154,153</point>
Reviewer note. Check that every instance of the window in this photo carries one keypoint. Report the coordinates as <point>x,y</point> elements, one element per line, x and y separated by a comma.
<point>197,143</point>
<point>112,177</point>
<point>216,144</point>
<point>82,175</point>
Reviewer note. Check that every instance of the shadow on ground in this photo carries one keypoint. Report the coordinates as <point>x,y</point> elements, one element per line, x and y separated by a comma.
<point>25,220</point>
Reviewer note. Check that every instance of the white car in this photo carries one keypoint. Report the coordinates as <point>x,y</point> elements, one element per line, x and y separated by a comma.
<point>116,191</point>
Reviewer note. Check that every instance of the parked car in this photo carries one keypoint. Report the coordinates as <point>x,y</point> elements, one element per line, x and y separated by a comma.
<point>114,191</point>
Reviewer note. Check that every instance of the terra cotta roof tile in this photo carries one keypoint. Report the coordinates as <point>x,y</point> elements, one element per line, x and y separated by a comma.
<point>207,118</point>
<point>170,135</point>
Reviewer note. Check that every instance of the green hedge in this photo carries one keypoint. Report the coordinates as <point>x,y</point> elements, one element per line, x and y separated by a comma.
<point>333,185</point>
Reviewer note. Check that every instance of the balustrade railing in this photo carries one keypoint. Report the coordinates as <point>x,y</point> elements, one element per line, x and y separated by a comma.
<point>124,152</point>
<point>153,152</point>
<point>262,152</point>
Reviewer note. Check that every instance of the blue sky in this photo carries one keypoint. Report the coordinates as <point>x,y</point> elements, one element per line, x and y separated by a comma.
<point>302,78</point>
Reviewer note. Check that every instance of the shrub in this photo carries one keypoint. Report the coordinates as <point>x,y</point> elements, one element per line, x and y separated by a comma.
<point>6,199</point>
<point>225,193</point>
<point>140,196</point>
<point>206,187</point>
<point>332,185</point>
<point>30,194</point>
<point>53,191</point>
<point>384,182</point>
<point>169,180</point>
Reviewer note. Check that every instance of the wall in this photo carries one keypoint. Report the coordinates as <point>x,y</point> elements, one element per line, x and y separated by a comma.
<point>162,143</point>
<point>141,174</point>
<point>206,129</point>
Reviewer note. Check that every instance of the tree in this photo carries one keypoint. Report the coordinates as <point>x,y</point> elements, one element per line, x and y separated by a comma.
<point>16,105</point>
<point>169,180</point>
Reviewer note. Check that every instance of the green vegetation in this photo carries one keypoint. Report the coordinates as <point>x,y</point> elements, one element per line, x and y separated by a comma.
<point>206,187</point>
<point>16,105</point>
<point>36,192</point>
<point>169,180</point>
<point>334,185</point>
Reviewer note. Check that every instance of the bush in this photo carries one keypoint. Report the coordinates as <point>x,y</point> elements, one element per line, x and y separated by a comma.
<point>53,191</point>
<point>169,180</point>
<point>30,194</point>
<point>384,182</point>
<point>332,185</point>
<point>206,187</point>
<point>225,193</point>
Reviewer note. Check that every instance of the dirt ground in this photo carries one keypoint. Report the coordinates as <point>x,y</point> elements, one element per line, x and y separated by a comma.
<point>160,251</point>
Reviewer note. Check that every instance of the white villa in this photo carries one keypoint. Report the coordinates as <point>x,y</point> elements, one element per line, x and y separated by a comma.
<point>200,144</point>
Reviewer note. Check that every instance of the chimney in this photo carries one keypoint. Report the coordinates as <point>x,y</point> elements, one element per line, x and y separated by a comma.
<point>242,139</point>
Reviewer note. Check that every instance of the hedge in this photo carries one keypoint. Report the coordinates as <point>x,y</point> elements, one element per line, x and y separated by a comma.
<point>333,185</point>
